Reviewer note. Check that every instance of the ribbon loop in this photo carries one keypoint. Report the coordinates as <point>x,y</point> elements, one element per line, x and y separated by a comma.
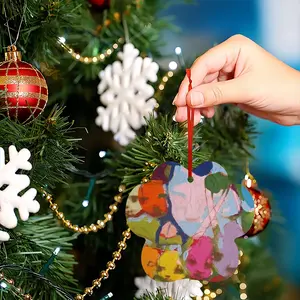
<point>190,121</point>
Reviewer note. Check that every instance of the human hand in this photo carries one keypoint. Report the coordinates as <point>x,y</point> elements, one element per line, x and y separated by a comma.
<point>240,72</point>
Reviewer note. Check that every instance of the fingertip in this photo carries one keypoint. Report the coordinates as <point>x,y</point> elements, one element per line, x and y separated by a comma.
<point>175,99</point>
<point>180,99</point>
<point>181,114</point>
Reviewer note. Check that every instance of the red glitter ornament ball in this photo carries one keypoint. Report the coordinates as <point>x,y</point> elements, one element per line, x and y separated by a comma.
<point>26,90</point>
<point>262,210</point>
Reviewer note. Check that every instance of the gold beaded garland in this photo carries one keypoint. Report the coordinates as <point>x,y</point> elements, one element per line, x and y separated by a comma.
<point>88,291</point>
<point>122,188</point>
<point>104,274</point>
<point>90,59</point>
<point>100,223</point>
<point>122,245</point>
<point>97,283</point>
<point>110,266</point>
<point>127,234</point>
<point>117,255</point>
<point>92,227</point>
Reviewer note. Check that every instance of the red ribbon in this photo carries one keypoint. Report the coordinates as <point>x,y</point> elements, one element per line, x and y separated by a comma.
<point>190,121</point>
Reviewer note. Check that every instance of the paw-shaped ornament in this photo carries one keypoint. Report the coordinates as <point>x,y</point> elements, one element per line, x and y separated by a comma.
<point>189,227</point>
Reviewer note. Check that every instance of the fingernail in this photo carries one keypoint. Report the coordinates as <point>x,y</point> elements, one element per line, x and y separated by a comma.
<point>174,117</point>
<point>197,99</point>
<point>173,103</point>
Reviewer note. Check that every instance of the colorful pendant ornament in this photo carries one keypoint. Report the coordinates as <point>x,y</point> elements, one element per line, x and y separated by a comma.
<point>190,228</point>
<point>262,207</point>
<point>190,219</point>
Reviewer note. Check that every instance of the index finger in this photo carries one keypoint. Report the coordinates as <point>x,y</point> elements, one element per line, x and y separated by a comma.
<point>222,56</point>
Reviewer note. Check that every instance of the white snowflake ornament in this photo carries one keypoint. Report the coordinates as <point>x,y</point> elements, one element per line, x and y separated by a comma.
<point>15,183</point>
<point>125,92</point>
<point>184,289</point>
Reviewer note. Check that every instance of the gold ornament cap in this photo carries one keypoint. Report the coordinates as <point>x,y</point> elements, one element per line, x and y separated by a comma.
<point>12,54</point>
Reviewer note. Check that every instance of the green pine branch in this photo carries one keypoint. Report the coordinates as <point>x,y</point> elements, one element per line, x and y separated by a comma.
<point>43,22</point>
<point>140,24</point>
<point>51,145</point>
<point>163,141</point>
<point>31,246</point>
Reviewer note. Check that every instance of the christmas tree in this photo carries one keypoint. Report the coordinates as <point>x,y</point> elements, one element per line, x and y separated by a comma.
<point>75,144</point>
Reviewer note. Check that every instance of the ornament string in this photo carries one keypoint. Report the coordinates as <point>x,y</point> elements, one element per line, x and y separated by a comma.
<point>7,25</point>
<point>190,120</point>
<point>20,25</point>
<point>126,30</point>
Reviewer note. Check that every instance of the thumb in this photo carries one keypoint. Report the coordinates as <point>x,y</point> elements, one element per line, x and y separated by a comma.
<point>211,94</point>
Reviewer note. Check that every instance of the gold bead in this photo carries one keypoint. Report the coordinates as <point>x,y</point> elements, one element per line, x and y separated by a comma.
<point>76,228</point>
<point>111,265</point>
<point>60,215</point>
<point>79,297</point>
<point>118,198</point>
<point>1,275</point>
<point>145,180</point>
<point>85,230</point>
<point>48,197</point>
<point>117,255</point>
<point>19,290</point>
<point>104,274</point>
<point>67,223</point>
<point>88,291</point>
<point>122,245</point>
<point>108,216</point>
<point>113,207</point>
<point>127,234</point>
<point>101,223</point>
<point>53,206</point>
<point>97,283</point>
<point>122,188</point>
<point>27,297</point>
<point>11,281</point>
<point>93,227</point>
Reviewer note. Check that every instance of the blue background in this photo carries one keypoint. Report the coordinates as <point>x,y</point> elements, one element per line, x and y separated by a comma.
<point>277,156</point>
